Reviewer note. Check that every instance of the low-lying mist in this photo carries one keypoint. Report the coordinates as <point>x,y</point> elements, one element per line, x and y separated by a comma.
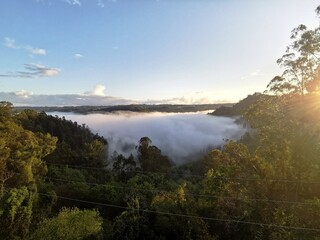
<point>181,136</point>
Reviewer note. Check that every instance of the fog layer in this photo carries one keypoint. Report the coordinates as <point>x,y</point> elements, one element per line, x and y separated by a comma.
<point>181,136</point>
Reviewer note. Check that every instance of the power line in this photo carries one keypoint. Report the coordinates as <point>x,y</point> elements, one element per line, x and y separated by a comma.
<point>189,216</point>
<point>186,194</point>
<point>183,215</point>
<point>190,175</point>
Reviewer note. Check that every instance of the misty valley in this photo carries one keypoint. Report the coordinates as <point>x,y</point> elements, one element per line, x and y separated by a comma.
<point>135,175</point>
<point>183,137</point>
<point>160,120</point>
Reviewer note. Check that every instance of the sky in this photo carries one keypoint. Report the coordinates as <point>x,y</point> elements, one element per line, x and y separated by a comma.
<point>107,52</point>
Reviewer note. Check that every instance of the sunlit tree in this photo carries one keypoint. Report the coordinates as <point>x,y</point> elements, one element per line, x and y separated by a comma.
<point>300,63</point>
<point>70,224</point>
<point>21,167</point>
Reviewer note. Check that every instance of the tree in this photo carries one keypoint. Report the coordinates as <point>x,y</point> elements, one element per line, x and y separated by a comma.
<point>21,167</point>
<point>151,158</point>
<point>70,224</point>
<point>124,167</point>
<point>95,153</point>
<point>130,225</point>
<point>178,202</point>
<point>301,63</point>
<point>76,145</point>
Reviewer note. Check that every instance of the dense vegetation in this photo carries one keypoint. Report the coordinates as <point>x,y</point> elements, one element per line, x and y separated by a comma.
<point>239,108</point>
<point>56,182</point>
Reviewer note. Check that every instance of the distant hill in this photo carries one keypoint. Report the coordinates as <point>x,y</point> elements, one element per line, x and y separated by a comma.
<point>169,108</point>
<point>238,108</point>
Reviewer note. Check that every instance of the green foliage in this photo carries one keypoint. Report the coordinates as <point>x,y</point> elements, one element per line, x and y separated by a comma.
<point>129,225</point>
<point>21,167</point>
<point>280,143</point>
<point>76,145</point>
<point>15,212</point>
<point>14,201</point>
<point>124,167</point>
<point>175,227</point>
<point>70,224</point>
<point>239,108</point>
<point>151,158</point>
<point>5,111</point>
<point>142,187</point>
<point>22,152</point>
<point>271,176</point>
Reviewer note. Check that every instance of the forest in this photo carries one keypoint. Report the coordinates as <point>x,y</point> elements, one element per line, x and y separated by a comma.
<point>58,180</point>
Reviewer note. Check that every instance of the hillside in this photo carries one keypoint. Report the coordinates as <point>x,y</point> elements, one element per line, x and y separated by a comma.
<point>238,108</point>
<point>169,108</point>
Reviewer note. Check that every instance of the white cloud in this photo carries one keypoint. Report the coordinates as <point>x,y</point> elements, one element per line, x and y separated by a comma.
<point>100,3</point>
<point>24,98</point>
<point>23,94</point>
<point>34,71</point>
<point>185,100</point>
<point>73,2</point>
<point>38,70</point>
<point>255,73</point>
<point>78,56</point>
<point>36,51</point>
<point>195,97</point>
<point>11,43</point>
<point>252,74</point>
<point>95,97</point>
<point>97,91</point>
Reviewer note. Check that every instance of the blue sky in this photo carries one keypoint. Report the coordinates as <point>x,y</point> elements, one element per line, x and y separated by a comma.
<point>157,51</point>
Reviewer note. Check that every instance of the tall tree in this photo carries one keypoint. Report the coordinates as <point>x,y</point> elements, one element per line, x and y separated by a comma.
<point>21,166</point>
<point>151,158</point>
<point>300,62</point>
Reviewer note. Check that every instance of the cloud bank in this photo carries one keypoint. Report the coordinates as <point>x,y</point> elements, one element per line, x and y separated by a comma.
<point>181,136</point>
<point>25,98</point>
<point>95,97</point>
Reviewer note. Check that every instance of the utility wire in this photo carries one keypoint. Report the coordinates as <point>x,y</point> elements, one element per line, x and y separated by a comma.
<point>186,194</point>
<point>184,215</point>
<point>190,175</point>
<point>189,216</point>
